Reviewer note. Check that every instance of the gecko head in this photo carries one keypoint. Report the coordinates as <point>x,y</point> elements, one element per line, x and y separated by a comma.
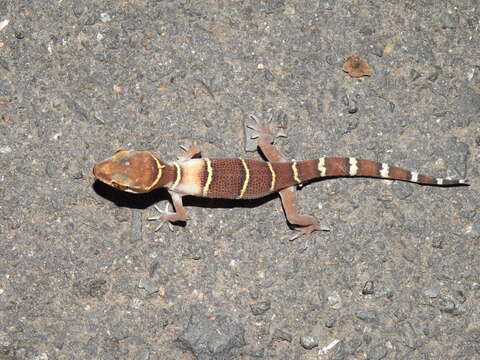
<point>131,171</point>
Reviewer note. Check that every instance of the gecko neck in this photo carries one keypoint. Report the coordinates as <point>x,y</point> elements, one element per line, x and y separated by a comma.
<point>167,176</point>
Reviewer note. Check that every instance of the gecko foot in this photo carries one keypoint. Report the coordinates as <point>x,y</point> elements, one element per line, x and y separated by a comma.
<point>165,216</point>
<point>306,230</point>
<point>191,152</point>
<point>264,129</point>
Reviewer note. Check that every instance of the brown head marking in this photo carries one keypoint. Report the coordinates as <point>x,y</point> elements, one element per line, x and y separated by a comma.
<point>132,171</point>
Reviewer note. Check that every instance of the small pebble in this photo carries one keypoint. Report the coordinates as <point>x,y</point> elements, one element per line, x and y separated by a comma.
<point>308,342</point>
<point>368,288</point>
<point>148,285</point>
<point>260,307</point>
<point>368,315</point>
<point>105,17</point>
<point>331,321</point>
<point>5,149</point>
<point>431,293</point>
<point>414,75</point>
<point>335,301</point>
<point>282,335</point>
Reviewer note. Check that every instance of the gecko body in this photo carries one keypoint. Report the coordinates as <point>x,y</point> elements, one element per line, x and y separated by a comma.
<point>238,178</point>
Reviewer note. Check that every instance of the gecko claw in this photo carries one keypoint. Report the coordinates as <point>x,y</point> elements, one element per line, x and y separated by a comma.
<point>254,118</point>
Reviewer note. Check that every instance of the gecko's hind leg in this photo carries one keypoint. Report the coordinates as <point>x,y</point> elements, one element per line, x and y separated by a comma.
<point>265,137</point>
<point>306,224</point>
<point>264,129</point>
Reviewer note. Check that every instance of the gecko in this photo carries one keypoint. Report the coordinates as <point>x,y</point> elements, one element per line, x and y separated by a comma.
<point>240,178</point>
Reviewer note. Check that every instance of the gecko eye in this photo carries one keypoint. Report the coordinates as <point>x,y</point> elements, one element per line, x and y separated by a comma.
<point>125,163</point>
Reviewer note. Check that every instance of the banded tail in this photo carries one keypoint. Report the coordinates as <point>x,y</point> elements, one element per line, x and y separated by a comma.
<point>306,170</point>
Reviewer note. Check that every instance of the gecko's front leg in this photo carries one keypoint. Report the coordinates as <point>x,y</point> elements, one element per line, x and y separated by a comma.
<point>191,153</point>
<point>167,216</point>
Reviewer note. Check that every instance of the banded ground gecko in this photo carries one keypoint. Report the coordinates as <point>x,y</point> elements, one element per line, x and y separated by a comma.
<point>238,178</point>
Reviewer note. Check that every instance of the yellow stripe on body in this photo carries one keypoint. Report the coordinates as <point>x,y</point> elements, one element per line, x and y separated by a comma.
<point>179,176</point>
<point>209,176</point>
<point>274,176</point>
<point>247,178</point>
<point>295,172</point>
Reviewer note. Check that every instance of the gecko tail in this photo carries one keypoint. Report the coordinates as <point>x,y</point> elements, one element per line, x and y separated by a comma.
<point>352,167</point>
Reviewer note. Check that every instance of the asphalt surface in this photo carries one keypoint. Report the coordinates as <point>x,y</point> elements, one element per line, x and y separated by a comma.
<point>84,276</point>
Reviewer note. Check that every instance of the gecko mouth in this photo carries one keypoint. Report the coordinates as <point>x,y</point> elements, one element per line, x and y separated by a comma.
<point>119,186</point>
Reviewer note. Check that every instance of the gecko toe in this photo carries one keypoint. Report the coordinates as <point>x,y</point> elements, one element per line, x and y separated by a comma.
<point>159,226</point>
<point>164,217</point>
<point>307,230</point>
<point>266,129</point>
